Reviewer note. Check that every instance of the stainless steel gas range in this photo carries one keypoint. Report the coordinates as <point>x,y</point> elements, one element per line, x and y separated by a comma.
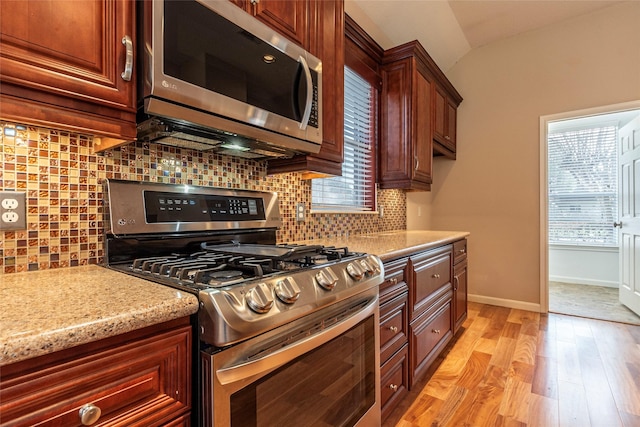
<point>288,334</point>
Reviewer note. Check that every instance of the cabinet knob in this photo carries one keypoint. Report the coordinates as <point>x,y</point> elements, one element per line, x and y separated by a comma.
<point>436,331</point>
<point>128,62</point>
<point>393,329</point>
<point>447,137</point>
<point>617,224</point>
<point>435,276</point>
<point>393,387</point>
<point>89,414</point>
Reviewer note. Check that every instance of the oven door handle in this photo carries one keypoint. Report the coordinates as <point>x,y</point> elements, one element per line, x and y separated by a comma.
<point>259,367</point>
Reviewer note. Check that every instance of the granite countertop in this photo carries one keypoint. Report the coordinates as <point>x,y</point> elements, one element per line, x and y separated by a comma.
<point>389,245</point>
<point>45,311</point>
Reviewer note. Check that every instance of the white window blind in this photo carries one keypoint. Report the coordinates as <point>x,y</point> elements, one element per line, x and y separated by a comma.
<point>355,189</point>
<point>583,186</point>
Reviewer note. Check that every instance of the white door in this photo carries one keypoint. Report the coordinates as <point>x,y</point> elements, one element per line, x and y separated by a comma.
<point>629,139</point>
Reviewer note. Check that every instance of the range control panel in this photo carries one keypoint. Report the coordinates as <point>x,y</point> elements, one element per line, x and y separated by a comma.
<point>172,207</point>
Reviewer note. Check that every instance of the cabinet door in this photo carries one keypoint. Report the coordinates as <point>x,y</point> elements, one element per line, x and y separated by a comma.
<point>141,383</point>
<point>422,135</point>
<point>285,16</point>
<point>440,107</point>
<point>396,156</point>
<point>429,334</point>
<point>459,294</point>
<point>450,134</point>
<point>431,279</point>
<point>61,63</point>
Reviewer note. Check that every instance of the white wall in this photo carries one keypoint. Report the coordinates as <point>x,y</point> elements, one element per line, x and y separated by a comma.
<point>492,190</point>
<point>585,266</point>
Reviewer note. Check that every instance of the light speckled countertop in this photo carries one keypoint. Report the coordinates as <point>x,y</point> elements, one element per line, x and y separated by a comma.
<point>390,245</point>
<point>50,310</point>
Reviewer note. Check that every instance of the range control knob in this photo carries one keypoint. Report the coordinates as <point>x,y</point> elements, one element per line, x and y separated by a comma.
<point>326,279</point>
<point>287,291</point>
<point>366,267</point>
<point>260,298</point>
<point>355,270</point>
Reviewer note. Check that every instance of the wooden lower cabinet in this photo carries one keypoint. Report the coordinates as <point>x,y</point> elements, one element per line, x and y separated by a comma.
<point>459,284</point>
<point>141,378</point>
<point>428,336</point>
<point>423,302</point>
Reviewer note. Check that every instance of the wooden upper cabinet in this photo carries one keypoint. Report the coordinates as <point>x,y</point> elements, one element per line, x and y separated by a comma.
<point>405,152</point>
<point>445,121</point>
<point>61,65</point>
<point>326,41</point>
<point>289,18</point>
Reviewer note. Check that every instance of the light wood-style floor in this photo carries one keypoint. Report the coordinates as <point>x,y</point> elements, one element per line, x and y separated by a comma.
<point>519,368</point>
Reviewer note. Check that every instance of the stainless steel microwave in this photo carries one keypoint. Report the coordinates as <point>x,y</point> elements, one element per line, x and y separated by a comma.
<point>213,77</point>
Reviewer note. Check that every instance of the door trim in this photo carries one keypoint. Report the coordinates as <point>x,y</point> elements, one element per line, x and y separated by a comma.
<point>544,181</point>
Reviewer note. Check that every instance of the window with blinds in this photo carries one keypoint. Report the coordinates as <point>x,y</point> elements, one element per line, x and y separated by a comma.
<point>354,191</point>
<point>583,186</point>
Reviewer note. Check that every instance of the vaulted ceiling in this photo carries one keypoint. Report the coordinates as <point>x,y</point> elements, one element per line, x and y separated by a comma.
<point>450,29</point>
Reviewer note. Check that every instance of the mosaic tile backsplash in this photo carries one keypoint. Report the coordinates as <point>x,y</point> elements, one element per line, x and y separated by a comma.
<point>62,178</point>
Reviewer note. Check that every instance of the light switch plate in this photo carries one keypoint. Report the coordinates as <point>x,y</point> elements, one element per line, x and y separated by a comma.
<point>13,210</point>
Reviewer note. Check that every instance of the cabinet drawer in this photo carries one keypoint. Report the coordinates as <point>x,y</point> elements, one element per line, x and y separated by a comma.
<point>139,384</point>
<point>430,274</point>
<point>394,280</point>
<point>394,381</point>
<point>429,333</point>
<point>459,251</point>
<point>393,326</point>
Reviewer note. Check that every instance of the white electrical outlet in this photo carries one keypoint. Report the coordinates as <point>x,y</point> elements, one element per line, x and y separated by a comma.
<point>300,210</point>
<point>9,203</point>
<point>13,210</point>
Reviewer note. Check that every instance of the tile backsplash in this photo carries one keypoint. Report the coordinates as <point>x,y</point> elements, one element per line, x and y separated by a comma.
<point>62,178</point>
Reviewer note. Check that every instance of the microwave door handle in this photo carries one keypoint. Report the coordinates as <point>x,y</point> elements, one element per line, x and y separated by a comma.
<point>307,108</point>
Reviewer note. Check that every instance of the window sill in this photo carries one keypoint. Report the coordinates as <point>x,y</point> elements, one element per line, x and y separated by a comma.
<point>346,211</point>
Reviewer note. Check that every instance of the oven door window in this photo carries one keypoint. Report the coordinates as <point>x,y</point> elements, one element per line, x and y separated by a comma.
<point>333,385</point>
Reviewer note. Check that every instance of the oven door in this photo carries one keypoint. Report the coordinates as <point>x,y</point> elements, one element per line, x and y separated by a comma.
<point>322,370</point>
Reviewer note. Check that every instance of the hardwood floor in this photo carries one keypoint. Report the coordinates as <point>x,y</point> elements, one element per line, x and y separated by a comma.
<point>511,367</point>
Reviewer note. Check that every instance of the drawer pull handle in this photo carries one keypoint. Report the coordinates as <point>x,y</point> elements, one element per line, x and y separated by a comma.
<point>461,251</point>
<point>456,283</point>
<point>393,329</point>
<point>89,414</point>
<point>128,62</point>
<point>436,276</point>
<point>393,281</point>
<point>393,387</point>
<point>436,331</point>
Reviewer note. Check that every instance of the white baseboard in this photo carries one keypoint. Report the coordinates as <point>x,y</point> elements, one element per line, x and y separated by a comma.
<point>580,281</point>
<point>501,302</point>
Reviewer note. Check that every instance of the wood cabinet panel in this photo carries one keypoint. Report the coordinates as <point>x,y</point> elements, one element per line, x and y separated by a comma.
<point>143,382</point>
<point>67,58</point>
<point>405,159</point>
<point>394,381</point>
<point>393,326</point>
<point>428,335</point>
<point>459,294</point>
<point>289,18</point>
<point>431,276</point>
